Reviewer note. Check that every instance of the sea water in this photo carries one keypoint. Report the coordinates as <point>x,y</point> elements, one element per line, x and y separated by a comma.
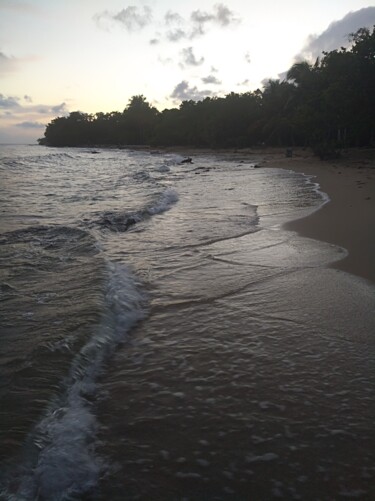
<point>164,337</point>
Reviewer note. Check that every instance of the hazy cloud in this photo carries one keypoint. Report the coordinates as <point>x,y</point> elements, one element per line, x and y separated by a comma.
<point>211,79</point>
<point>247,57</point>
<point>172,18</point>
<point>22,120</point>
<point>60,108</point>
<point>9,102</point>
<point>337,34</point>
<point>221,15</point>
<point>198,23</point>
<point>154,41</point>
<point>183,92</point>
<point>11,106</point>
<point>132,18</point>
<point>176,35</point>
<point>31,125</point>
<point>224,16</point>
<point>189,58</point>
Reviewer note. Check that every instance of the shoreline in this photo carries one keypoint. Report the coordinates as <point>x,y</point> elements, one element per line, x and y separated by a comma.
<point>348,218</point>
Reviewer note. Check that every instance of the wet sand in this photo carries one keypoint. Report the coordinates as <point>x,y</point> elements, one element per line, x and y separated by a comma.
<point>348,219</point>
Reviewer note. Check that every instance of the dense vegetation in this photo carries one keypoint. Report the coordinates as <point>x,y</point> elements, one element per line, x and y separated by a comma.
<point>326,106</point>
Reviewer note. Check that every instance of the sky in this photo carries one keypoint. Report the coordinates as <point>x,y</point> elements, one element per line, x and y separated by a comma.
<point>59,56</point>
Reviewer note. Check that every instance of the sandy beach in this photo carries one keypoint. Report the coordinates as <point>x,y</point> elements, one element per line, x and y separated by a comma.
<point>348,219</point>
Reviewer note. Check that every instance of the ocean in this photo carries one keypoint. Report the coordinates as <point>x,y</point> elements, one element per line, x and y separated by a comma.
<point>164,337</point>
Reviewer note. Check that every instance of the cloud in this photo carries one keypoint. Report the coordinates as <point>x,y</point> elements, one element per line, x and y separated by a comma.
<point>337,34</point>
<point>245,82</point>
<point>21,120</point>
<point>189,58</point>
<point>221,15</point>
<point>176,35</point>
<point>172,18</point>
<point>59,108</point>
<point>183,92</point>
<point>197,23</point>
<point>31,125</point>
<point>211,79</point>
<point>44,109</point>
<point>224,16</point>
<point>9,102</point>
<point>247,57</point>
<point>132,18</point>
<point>154,41</point>
<point>13,106</point>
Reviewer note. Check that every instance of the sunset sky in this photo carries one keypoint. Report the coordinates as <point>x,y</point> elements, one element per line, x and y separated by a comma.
<point>58,56</point>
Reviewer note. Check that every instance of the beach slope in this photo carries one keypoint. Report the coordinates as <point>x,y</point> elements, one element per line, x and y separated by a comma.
<point>348,219</point>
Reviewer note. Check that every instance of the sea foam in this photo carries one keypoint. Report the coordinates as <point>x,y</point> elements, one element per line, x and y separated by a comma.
<point>67,463</point>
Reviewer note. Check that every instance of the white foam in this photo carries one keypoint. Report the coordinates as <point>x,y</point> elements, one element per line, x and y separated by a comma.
<point>168,198</point>
<point>67,464</point>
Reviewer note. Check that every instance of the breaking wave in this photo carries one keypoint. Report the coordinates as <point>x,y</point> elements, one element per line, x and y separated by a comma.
<point>119,221</point>
<point>61,458</point>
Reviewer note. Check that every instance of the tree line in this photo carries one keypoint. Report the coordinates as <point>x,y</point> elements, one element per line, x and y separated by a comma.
<point>326,106</point>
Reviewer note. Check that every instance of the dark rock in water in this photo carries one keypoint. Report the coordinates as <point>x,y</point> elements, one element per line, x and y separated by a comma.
<point>257,166</point>
<point>201,169</point>
<point>118,222</point>
<point>130,221</point>
<point>187,160</point>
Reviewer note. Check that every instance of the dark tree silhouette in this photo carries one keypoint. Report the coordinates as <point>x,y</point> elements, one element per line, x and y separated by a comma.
<point>326,105</point>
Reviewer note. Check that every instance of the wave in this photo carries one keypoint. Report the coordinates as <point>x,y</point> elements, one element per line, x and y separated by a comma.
<point>120,222</point>
<point>36,160</point>
<point>62,461</point>
<point>47,235</point>
<point>168,198</point>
